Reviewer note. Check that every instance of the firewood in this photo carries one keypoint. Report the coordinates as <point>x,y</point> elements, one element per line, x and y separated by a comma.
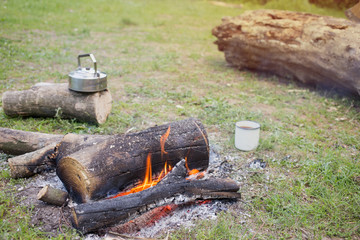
<point>17,142</point>
<point>71,143</point>
<point>55,99</point>
<point>316,50</point>
<point>52,196</point>
<point>29,164</point>
<point>100,168</point>
<point>89,217</point>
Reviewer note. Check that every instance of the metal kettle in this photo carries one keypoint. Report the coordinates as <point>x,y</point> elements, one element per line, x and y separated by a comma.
<point>87,79</point>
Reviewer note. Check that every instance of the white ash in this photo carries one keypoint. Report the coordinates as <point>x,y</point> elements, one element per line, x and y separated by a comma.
<point>257,164</point>
<point>50,178</point>
<point>184,217</point>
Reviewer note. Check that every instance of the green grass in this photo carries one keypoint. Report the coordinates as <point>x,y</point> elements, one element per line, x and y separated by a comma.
<point>162,66</point>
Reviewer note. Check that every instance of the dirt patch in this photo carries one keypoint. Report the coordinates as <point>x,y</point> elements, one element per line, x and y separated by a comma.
<point>47,218</point>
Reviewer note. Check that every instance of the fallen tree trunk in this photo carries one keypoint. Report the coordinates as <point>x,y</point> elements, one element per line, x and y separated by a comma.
<point>89,217</point>
<point>17,142</point>
<point>101,167</point>
<point>55,99</point>
<point>316,50</point>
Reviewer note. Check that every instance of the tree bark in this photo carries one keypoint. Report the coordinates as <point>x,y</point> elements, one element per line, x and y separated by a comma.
<point>90,217</point>
<point>100,168</point>
<point>316,50</point>
<point>17,142</point>
<point>55,99</point>
<point>52,196</point>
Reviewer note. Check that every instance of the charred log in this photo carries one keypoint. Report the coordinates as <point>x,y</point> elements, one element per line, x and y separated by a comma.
<point>55,99</point>
<point>316,50</point>
<point>106,167</point>
<point>90,217</point>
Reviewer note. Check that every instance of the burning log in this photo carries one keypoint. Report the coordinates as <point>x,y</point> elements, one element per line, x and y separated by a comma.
<point>16,142</point>
<point>55,99</point>
<point>89,217</point>
<point>52,196</point>
<point>105,167</point>
<point>316,50</point>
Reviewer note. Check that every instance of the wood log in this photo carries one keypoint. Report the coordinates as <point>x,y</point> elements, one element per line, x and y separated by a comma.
<point>354,13</point>
<point>52,196</point>
<point>106,167</point>
<point>37,161</point>
<point>29,164</point>
<point>17,142</point>
<point>316,50</point>
<point>89,217</point>
<point>71,143</point>
<point>55,99</point>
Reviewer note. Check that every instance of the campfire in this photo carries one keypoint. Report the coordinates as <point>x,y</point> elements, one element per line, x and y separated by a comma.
<point>117,183</point>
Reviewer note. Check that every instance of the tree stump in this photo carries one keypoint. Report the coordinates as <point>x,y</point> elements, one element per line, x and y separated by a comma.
<point>317,50</point>
<point>100,167</point>
<point>55,99</point>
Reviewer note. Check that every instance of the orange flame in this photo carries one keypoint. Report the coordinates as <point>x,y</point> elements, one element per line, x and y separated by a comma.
<point>192,171</point>
<point>148,181</point>
<point>163,139</point>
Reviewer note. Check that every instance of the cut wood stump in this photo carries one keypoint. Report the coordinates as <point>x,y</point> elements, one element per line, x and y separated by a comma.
<point>55,99</point>
<point>89,217</point>
<point>100,167</point>
<point>52,196</point>
<point>317,50</point>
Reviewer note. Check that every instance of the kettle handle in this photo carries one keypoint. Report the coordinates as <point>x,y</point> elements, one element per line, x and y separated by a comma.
<point>92,58</point>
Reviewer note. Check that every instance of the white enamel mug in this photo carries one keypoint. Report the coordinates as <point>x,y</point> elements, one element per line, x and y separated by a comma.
<point>247,135</point>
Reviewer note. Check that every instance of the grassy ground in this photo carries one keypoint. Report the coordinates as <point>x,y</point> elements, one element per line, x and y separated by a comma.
<point>162,66</point>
